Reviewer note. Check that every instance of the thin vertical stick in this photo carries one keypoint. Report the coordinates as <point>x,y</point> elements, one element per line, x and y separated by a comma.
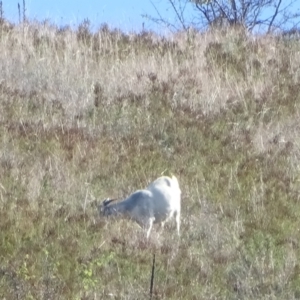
<point>24,12</point>
<point>1,12</point>
<point>19,9</point>
<point>152,276</point>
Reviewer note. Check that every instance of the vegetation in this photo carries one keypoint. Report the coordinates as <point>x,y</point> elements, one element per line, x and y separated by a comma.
<point>88,116</point>
<point>255,15</point>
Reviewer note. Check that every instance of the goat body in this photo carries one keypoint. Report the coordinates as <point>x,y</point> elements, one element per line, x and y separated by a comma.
<point>159,202</point>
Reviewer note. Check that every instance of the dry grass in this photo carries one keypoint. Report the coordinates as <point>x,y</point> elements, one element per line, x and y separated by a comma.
<point>87,116</point>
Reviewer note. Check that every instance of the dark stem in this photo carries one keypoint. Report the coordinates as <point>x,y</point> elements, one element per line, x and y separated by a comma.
<point>152,276</point>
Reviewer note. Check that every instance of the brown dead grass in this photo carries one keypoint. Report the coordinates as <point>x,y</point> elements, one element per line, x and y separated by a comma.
<point>87,116</point>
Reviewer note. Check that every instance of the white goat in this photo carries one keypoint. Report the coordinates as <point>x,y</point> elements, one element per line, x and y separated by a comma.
<point>155,204</point>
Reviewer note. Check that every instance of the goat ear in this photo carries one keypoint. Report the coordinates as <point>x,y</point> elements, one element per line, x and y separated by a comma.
<point>107,201</point>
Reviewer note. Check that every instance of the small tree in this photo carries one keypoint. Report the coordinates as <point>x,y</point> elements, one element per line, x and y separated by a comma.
<point>265,15</point>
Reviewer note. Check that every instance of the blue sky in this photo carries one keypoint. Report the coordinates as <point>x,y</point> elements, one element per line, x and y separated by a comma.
<point>116,13</point>
<point>126,15</point>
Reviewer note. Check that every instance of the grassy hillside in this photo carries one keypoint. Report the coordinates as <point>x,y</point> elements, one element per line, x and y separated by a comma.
<point>87,116</point>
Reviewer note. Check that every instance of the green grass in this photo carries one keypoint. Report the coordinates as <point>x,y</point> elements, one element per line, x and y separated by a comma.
<point>88,116</point>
